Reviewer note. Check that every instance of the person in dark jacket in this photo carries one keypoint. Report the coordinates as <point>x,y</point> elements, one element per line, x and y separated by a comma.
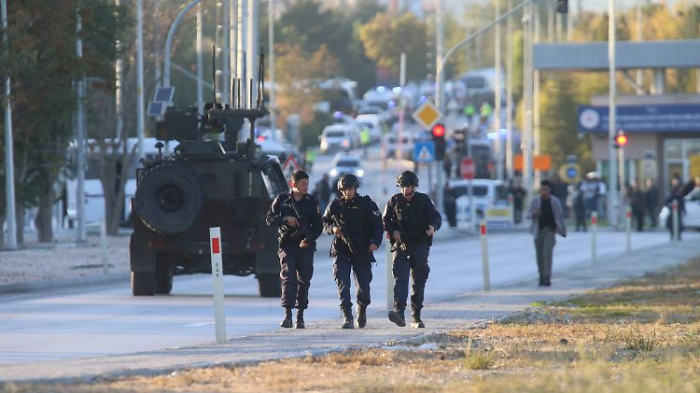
<point>651,202</point>
<point>637,206</point>
<point>356,223</point>
<point>519,195</point>
<point>322,191</point>
<point>580,208</point>
<point>299,217</point>
<point>677,194</point>
<point>410,220</point>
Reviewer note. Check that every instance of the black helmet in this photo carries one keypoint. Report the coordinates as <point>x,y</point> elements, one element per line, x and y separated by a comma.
<point>407,178</point>
<point>348,181</point>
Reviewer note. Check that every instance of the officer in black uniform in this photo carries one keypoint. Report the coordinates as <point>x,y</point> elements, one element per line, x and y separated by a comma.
<point>355,219</point>
<point>299,217</point>
<point>410,220</point>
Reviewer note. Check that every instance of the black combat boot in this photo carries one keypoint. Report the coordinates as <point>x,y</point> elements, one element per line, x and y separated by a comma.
<point>417,322</point>
<point>397,317</point>
<point>287,322</point>
<point>361,316</point>
<point>348,322</point>
<point>300,319</point>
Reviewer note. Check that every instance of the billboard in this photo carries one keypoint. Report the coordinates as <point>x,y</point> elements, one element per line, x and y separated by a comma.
<point>641,118</point>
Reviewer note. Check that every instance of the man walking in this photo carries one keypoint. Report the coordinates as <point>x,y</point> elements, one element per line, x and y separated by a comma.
<point>547,221</point>
<point>355,221</point>
<point>410,219</point>
<point>299,217</point>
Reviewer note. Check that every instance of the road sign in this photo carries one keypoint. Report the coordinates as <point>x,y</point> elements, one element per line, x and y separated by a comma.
<point>570,172</point>
<point>289,167</point>
<point>427,115</point>
<point>541,162</point>
<point>424,151</point>
<point>467,168</point>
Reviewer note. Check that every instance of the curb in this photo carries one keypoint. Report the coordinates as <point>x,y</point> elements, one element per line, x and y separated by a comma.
<point>59,284</point>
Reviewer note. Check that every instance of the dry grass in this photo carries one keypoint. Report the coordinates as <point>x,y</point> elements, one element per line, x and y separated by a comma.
<point>640,336</point>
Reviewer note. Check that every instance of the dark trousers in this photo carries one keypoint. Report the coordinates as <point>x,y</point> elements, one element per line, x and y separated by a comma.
<point>544,247</point>
<point>639,219</point>
<point>342,264</point>
<point>417,267</point>
<point>297,269</point>
<point>653,215</point>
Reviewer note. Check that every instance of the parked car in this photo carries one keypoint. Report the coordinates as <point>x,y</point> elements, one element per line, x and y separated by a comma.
<point>391,145</point>
<point>691,219</point>
<point>486,193</point>
<point>373,123</point>
<point>337,137</point>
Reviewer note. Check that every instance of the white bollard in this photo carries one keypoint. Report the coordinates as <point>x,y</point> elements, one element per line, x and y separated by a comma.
<point>389,277</point>
<point>628,213</point>
<point>217,273</point>
<point>485,256</point>
<point>103,245</point>
<point>594,236</point>
<point>676,221</point>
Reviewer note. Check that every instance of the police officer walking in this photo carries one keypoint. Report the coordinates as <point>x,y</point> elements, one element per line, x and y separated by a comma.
<point>356,223</point>
<point>299,217</point>
<point>410,220</point>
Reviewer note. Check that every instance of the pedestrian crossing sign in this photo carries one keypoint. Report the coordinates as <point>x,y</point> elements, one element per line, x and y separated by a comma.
<point>424,151</point>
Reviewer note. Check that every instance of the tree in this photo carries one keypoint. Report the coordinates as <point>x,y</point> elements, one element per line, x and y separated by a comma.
<point>385,37</point>
<point>43,64</point>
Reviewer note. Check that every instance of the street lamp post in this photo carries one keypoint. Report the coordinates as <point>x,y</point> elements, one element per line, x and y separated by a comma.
<point>9,149</point>
<point>612,125</point>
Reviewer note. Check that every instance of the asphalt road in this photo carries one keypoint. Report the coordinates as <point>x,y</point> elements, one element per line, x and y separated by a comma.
<point>107,320</point>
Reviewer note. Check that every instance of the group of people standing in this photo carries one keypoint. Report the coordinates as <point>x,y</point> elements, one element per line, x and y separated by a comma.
<point>409,220</point>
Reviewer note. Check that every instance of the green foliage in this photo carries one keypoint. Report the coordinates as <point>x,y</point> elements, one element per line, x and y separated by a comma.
<point>310,131</point>
<point>385,37</point>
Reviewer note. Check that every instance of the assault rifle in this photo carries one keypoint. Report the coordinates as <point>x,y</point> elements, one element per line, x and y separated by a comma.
<point>302,231</point>
<point>402,245</point>
<point>346,236</point>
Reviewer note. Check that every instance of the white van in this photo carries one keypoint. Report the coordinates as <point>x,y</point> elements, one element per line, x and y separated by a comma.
<point>337,137</point>
<point>487,193</point>
<point>93,192</point>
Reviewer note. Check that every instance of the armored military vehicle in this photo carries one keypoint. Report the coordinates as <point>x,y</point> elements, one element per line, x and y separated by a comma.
<point>205,183</point>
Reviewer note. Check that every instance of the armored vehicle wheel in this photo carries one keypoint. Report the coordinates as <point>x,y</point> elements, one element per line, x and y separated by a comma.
<point>269,285</point>
<point>143,283</point>
<point>163,278</point>
<point>169,199</point>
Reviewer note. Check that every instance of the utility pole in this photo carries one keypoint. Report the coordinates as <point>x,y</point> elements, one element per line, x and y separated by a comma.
<point>497,96</point>
<point>242,42</point>
<point>225,68</point>
<point>118,78</point>
<point>612,125</point>
<point>10,212</point>
<point>233,38</point>
<point>140,119</point>
<point>509,95</point>
<point>528,98</point>
<point>80,126</point>
<point>200,50</point>
<point>271,62</point>
<point>439,89</point>
<point>253,50</point>
<point>640,80</point>
<point>536,95</point>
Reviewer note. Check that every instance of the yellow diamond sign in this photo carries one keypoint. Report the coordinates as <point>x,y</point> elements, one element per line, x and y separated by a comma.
<point>427,115</point>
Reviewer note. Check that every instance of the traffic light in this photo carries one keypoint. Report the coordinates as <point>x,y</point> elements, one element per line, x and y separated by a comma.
<point>562,6</point>
<point>620,139</point>
<point>438,132</point>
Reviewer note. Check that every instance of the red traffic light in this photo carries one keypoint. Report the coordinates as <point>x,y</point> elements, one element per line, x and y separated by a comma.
<point>621,139</point>
<point>438,131</point>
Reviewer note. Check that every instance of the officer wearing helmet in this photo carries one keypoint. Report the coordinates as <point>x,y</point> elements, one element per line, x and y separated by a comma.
<point>410,220</point>
<point>356,223</point>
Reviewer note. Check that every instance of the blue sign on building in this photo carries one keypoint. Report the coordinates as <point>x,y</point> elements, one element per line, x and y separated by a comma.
<point>641,118</point>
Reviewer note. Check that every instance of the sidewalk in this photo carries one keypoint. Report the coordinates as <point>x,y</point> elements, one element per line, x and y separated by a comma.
<point>463,311</point>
